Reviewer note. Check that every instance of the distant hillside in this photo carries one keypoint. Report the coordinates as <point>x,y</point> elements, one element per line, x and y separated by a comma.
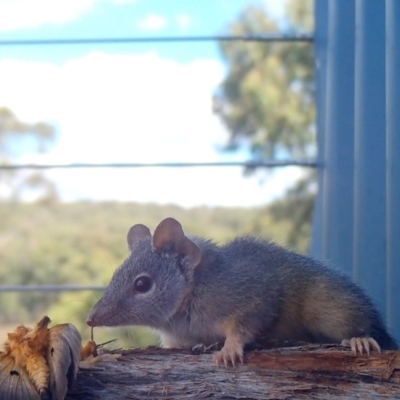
<point>82,243</point>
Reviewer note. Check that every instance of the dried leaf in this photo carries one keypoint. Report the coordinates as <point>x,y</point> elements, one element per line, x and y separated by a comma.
<point>39,363</point>
<point>15,383</point>
<point>89,349</point>
<point>92,354</point>
<point>63,358</point>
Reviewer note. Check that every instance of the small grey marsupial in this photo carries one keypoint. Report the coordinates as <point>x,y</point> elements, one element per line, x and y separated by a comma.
<point>193,291</point>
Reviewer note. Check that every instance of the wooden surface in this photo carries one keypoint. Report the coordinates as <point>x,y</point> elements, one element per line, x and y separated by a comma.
<point>301,372</point>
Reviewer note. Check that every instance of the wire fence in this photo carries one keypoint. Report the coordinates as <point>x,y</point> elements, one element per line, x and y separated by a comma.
<point>247,164</point>
<point>264,37</point>
<point>50,288</point>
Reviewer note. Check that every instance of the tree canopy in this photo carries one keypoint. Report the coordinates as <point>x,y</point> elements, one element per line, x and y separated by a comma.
<point>12,129</point>
<point>268,93</point>
<point>267,101</point>
<point>19,138</point>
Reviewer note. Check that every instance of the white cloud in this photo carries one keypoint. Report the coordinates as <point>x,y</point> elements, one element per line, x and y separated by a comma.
<point>123,1</point>
<point>184,21</point>
<point>276,8</point>
<point>153,22</point>
<point>133,108</point>
<point>22,14</point>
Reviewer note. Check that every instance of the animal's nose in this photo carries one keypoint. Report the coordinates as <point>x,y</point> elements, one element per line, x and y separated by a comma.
<point>91,321</point>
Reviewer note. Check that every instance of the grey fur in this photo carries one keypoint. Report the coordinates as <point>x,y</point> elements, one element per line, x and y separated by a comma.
<point>251,286</point>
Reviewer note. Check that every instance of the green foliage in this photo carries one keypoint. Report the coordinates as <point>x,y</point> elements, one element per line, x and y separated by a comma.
<point>267,101</point>
<point>82,243</point>
<point>297,207</point>
<point>20,138</point>
<point>13,130</point>
<point>268,93</point>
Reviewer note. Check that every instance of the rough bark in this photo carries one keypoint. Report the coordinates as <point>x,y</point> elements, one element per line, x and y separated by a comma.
<point>301,372</point>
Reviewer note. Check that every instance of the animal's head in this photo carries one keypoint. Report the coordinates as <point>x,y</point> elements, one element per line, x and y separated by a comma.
<point>149,286</point>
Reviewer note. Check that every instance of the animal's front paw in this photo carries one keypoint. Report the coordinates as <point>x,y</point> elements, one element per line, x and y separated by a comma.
<point>361,344</point>
<point>230,353</point>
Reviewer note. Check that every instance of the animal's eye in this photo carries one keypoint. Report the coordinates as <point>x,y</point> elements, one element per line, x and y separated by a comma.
<point>142,284</point>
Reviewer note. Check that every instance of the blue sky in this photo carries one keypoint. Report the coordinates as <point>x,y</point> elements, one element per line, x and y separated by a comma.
<point>123,18</point>
<point>129,102</point>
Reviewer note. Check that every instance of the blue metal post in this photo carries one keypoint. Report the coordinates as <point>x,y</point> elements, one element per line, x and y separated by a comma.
<point>339,140</point>
<point>370,151</point>
<point>320,51</point>
<point>393,164</point>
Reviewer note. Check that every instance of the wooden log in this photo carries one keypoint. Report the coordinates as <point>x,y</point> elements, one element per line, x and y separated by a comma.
<point>301,372</point>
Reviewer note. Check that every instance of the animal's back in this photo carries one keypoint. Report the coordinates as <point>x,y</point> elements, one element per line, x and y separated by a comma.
<point>310,301</point>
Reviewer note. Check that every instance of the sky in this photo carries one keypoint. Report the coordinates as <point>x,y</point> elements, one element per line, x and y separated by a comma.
<point>140,103</point>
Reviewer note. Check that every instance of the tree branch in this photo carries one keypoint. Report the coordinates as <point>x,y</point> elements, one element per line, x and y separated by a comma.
<point>302,372</point>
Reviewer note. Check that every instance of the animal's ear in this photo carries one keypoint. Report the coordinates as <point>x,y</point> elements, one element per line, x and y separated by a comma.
<point>137,234</point>
<point>169,238</point>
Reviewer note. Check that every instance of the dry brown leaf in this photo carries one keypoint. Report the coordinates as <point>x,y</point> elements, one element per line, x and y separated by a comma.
<point>92,353</point>
<point>63,358</point>
<point>89,349</point>
<point>39,362</point>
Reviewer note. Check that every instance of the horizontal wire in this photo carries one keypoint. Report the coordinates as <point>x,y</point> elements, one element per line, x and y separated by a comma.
<point>49,288</point>
<point>265,37</point>
<point>249,164</point>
